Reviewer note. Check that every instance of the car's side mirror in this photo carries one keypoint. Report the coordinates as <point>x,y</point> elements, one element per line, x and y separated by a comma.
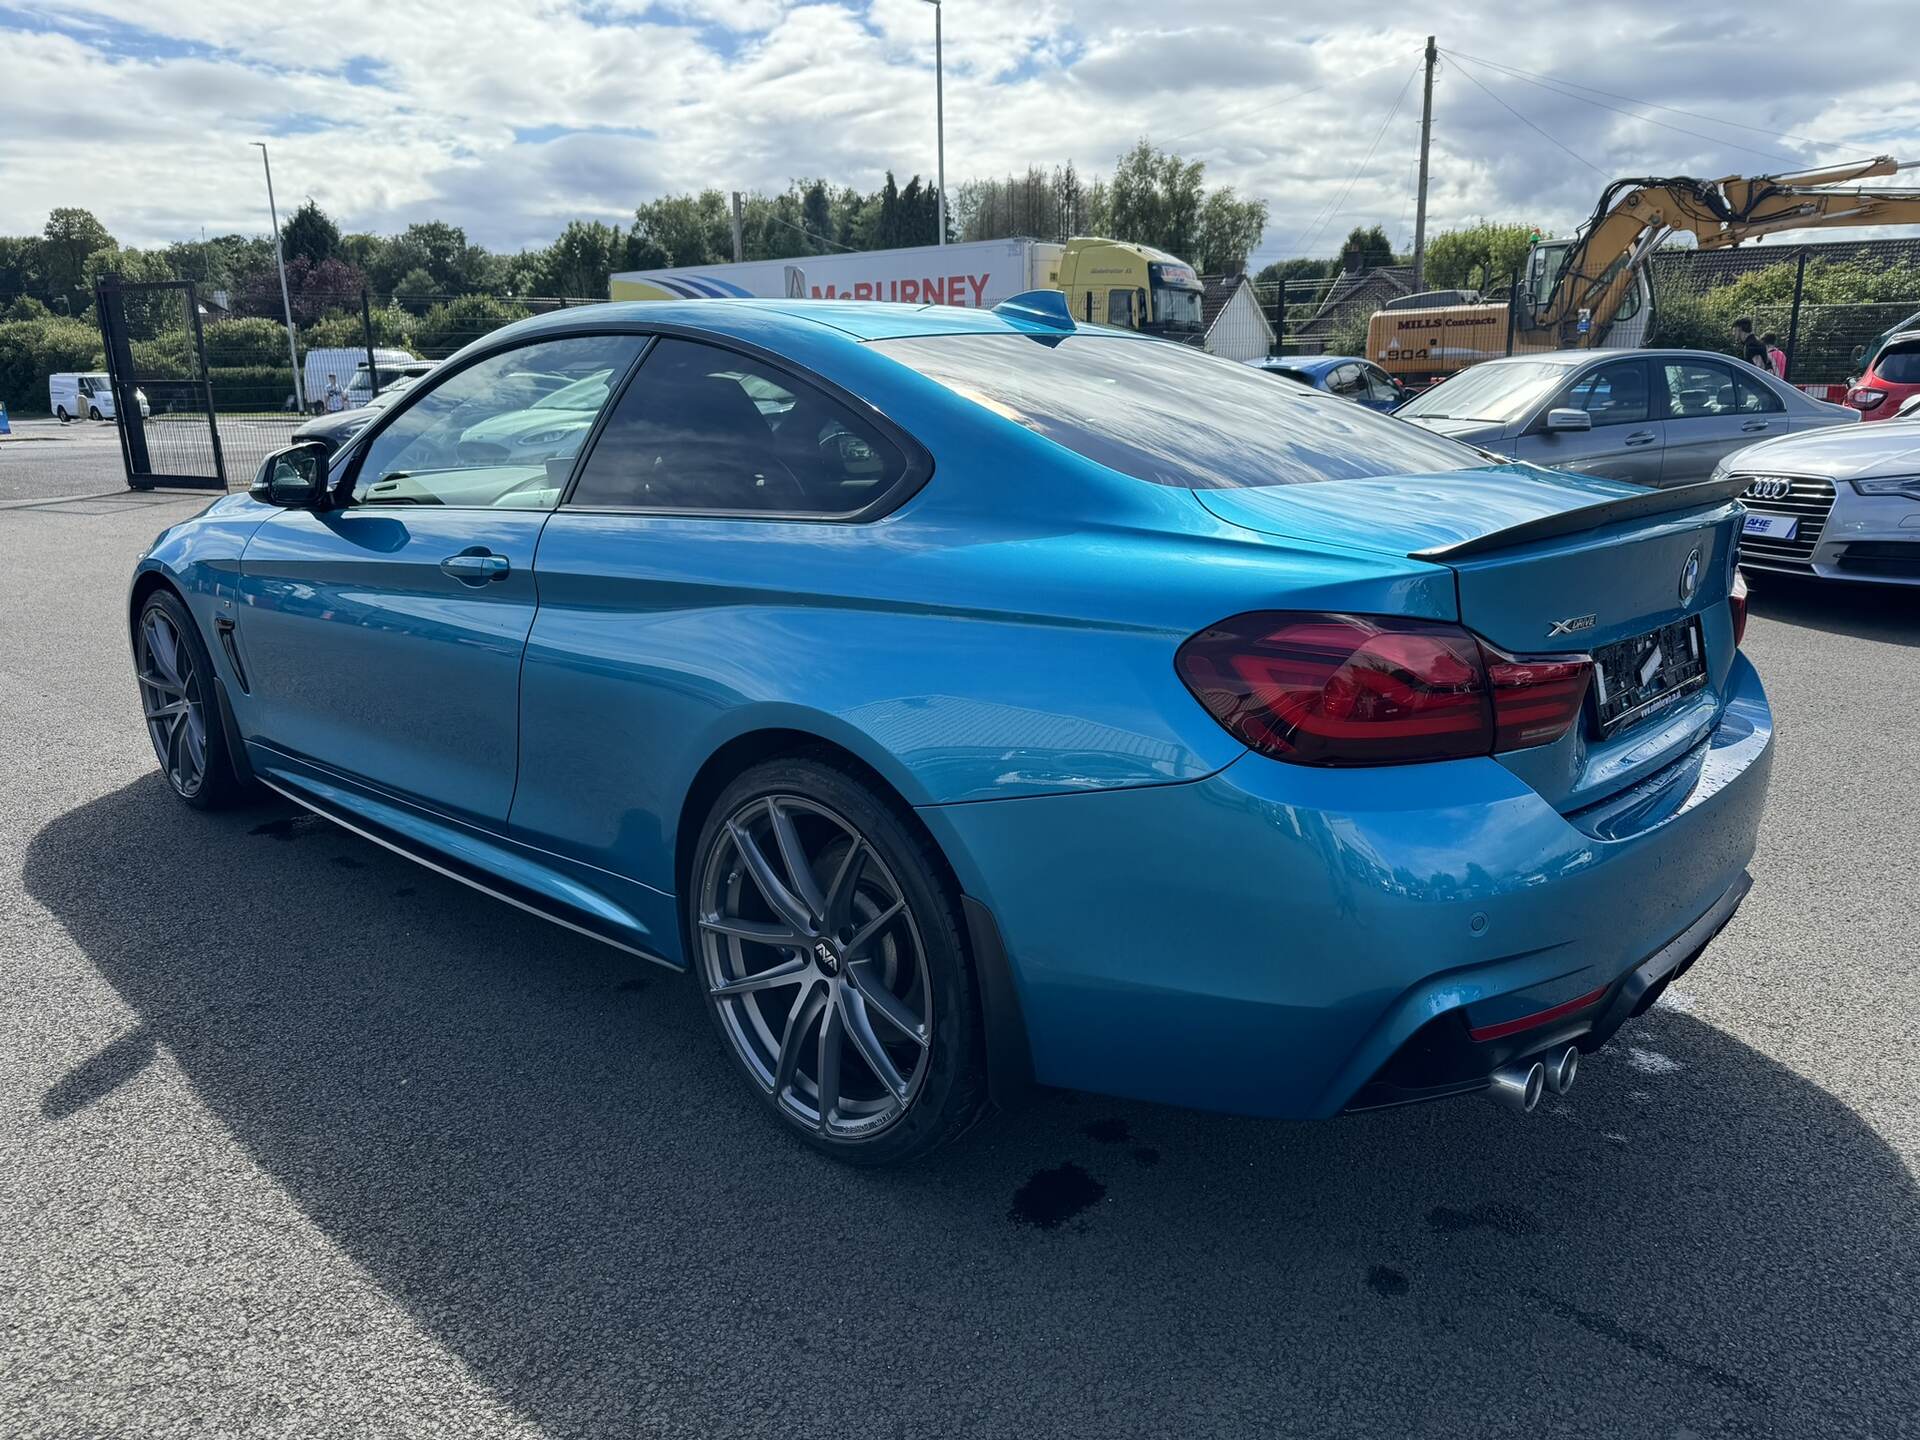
<point>294,478</point>
<point>1859,353</point>
<point>1567,418</point>
<point>1909,408</point>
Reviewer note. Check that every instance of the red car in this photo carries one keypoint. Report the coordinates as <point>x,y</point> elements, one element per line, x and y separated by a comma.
<point>1892,378</point>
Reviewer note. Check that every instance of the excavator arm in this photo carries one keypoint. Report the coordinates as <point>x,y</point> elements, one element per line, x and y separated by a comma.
<point>1636,215</point>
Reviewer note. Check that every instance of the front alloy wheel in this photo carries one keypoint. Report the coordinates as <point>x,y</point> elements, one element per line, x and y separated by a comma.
<point>830,957</point>
<point>174,699</point>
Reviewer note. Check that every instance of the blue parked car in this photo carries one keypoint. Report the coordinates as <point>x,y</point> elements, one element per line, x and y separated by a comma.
<point>965,700</point>
<point>1347,376</point>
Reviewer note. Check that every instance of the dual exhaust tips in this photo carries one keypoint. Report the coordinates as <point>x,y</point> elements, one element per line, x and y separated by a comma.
<point>1520,1085</point>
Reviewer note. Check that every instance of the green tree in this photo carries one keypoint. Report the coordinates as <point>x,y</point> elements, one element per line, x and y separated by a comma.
<point>1370,244</point>
<point>579,262</point>
<point>456,266</point>
<point>415,291</point>
<point>1228,229</point>
<point>70,236</point>
<point>1479,256</point>
<point>309,233</point>
<point>150,312</point>
<point>1155,199</point>
<point>448,326</point>
<point>687,229</point>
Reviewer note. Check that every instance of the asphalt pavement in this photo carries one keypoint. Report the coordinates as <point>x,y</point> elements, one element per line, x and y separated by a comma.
<point>297,1138</point>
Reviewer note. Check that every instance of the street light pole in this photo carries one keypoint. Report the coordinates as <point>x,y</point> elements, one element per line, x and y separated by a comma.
<point>940,121</point>
<point>286,302</point>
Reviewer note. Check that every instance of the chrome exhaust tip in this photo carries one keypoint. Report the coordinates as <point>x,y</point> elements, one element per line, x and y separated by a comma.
<point>1518,1087</point>
<point>1562,1068</point>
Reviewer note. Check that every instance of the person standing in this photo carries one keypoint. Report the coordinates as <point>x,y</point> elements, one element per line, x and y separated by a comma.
<point>1748,348</point>
<point>336,398</point>
<point>1775,353</point>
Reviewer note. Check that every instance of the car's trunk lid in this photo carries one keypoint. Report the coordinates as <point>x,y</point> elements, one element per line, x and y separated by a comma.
<point>1548,563</point>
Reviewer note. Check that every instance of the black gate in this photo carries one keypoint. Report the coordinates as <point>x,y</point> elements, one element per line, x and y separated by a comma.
<point>175,439</point>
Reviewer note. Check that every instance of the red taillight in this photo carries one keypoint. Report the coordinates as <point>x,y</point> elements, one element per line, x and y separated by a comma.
<point>1534,701</point>
<point>1375,690</point>
<point>1862,398</point>
<point>1737,604</point>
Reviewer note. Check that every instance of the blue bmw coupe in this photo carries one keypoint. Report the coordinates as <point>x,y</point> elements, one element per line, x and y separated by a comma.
<point>967,699</point>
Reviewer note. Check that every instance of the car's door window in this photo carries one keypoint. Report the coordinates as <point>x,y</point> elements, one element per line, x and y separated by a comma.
<point>1612,394</point>
<point>1699,390</point>
<point>1755,397</point>
<point>501,433</point>
<point>704,429</point>
<point>1382,389</point>
<point>1120,308</point>
<point>1346,380</point>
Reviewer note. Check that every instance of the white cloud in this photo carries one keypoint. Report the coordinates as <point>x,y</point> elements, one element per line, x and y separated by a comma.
<point>497,117</point>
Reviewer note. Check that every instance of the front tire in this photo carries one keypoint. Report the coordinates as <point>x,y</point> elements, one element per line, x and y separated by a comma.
<point>177,696</point>
<point>93,413</point>
<point>828,945</point>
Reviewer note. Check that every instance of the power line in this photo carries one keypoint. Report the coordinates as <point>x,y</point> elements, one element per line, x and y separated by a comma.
<point>1643,119</point>
<point>1274,104</point>
<point>850,249</point>
<point>1530,125</point>
<point>1517,72</point>
<point>1339,204</point>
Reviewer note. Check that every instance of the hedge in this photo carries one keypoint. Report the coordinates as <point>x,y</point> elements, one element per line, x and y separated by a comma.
<point>31,350</point>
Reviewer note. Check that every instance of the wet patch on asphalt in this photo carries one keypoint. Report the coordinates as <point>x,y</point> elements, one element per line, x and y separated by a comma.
<point>1050,1198</point>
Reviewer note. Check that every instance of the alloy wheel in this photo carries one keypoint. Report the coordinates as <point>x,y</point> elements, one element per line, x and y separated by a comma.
<point>170,694</point>
<point>816,965</point>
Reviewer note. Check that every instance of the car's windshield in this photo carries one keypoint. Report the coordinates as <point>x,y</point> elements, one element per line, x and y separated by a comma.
<point>1496,394</point>
<point>1176,309</point>
<point>1172,414</point>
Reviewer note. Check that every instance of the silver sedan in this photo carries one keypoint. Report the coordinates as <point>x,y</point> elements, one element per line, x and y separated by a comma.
<point>1655,417</point>
<point>1843,505</point>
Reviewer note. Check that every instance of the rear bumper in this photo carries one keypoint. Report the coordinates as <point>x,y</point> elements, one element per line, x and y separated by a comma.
<point>1268,940</point>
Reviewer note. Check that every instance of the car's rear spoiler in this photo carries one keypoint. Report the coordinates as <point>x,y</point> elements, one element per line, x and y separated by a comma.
<point>1592,517</point>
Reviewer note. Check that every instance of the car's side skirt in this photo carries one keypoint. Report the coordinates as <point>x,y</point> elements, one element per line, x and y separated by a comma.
<point>621,932</point>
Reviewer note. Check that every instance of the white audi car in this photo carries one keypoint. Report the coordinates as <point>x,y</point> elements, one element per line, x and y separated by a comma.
<point>1843,504</point>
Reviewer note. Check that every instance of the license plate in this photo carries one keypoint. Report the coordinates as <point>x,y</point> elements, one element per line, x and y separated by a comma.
<point>1635,678</point>
<point>1774,527</point>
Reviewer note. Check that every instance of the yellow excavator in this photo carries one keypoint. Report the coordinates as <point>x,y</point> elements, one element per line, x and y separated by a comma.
<point>1592,290</point>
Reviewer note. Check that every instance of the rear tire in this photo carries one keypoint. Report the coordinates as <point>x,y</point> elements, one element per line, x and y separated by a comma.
<point>176,682</point>
<point>60,414</point>
<point>826,939</point>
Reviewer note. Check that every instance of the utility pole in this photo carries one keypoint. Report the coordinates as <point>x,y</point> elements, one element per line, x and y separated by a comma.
<point>739,252</point>
<point>280,263</point>
<point>1420,207</point>
<point>940,124</point>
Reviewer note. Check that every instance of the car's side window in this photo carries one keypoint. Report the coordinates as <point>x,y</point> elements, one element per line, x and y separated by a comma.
<point>1755,396</point>
<point>1381,387</point>
<point>1120,307</point>
<point>1346,380</point>
<point>1699,389</point>
<point>501,433</point>
<point>1613,394</point>
<point>705,429</point>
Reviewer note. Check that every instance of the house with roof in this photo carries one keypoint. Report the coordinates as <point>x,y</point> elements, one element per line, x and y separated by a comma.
<point>1232,321</point>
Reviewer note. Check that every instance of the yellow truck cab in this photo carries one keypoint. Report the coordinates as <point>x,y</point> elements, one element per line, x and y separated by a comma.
<point>1111,282</point>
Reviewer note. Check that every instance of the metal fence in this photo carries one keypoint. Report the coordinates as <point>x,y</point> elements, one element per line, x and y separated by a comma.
<point>1825,304</point>
<point>257,395</point>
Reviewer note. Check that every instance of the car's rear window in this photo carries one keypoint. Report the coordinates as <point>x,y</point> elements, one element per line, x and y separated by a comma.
<point>1900,364</point>
<point>1174,415</point>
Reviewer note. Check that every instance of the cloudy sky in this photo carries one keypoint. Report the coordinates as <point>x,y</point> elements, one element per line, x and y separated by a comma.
<point>512,118</point>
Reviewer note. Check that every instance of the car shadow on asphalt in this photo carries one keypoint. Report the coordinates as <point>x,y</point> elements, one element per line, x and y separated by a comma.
<point>1870,612</point>
<point>535,1145</point>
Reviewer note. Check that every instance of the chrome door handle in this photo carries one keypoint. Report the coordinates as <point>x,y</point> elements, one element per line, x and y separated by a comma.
<point>1641,437</point>
<point>476,567</point>
<point>1753,425</point>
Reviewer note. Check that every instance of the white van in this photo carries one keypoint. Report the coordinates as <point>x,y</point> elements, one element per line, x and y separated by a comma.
<point>340,363</point>
<point>88,396</point>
